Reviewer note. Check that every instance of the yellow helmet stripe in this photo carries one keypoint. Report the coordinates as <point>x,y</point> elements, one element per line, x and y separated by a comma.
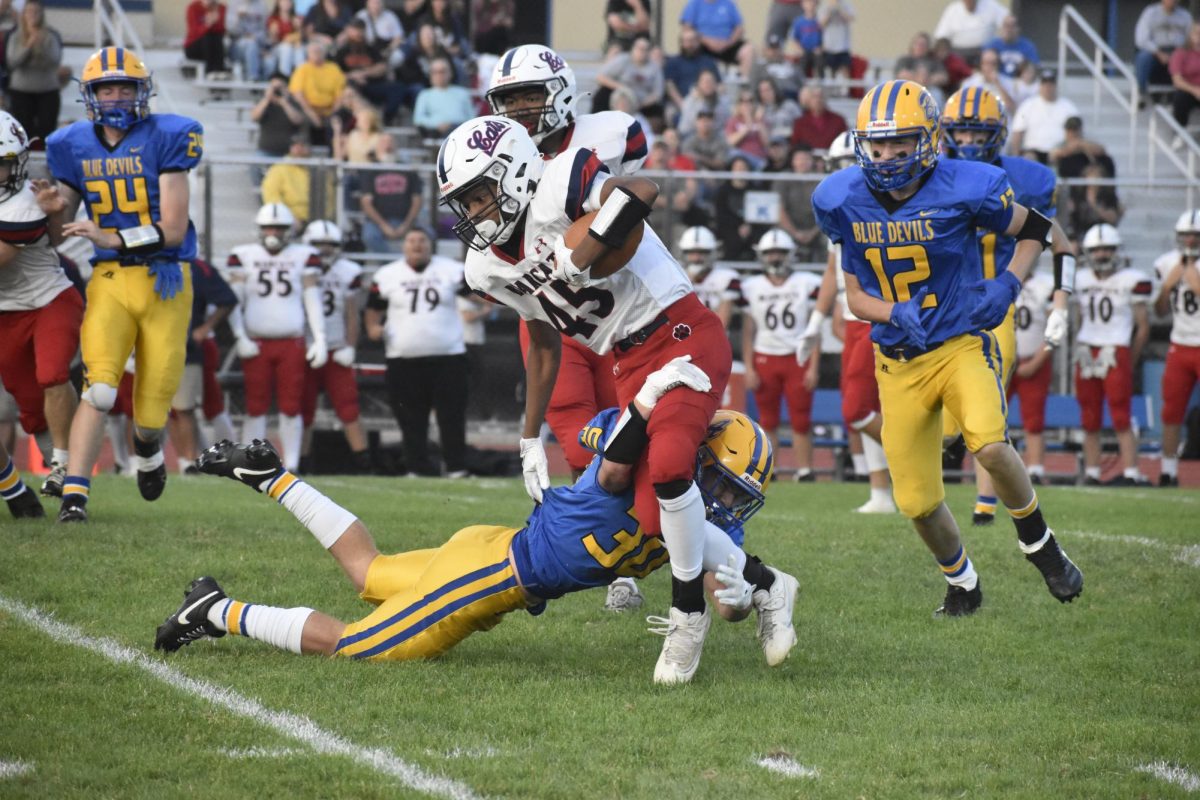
<point>893,96</point>
<point>104,59</point>
<point>978,98</point>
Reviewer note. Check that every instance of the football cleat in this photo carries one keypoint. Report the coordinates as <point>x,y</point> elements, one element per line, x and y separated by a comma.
<point>680,656</point>
<point>960,602</point>
<point>72,512</point>
<point>190,621</point>
<point>774,607</point>
<point>982,520</point>
<point>877,506</point>
<point>254,464</point>
<point>26,505</point>
<point>52,486</point>
<point>1063,578</point>
<point>623,595</point>
<point>805,477</point>
<point>151,482</point>
<point>1166,481</point>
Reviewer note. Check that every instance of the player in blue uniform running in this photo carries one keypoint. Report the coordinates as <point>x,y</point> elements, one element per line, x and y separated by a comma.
<point>578,537</point>
<point>907,225</point>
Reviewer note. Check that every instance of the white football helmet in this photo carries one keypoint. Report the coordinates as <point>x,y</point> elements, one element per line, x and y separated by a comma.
<point>699,248</point>
<point>274,215</point>
<point>1187,232</point>
<point>1102,237</point>
<point>528,66</point>
<point>14,152</point>
<point>326,238</point>
<point>841,152</point>
<point>775,250</point>
<point>497,154</point>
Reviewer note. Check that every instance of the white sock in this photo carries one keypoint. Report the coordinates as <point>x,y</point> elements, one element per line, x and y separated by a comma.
<point>1169,465</point>
<point>1092,472</point>
<point>222,426</point>
<point>60,457</point>
<point>718,548</point>
<point>1038,545</point>
<point>291,435</point>
<point>325,519</point>
<point>254,428</point>
<point>682,520</point>
<point>873,453</point>
<point>1037,469</point>
<point>280,627</point>
<point>959,571</point>
<point>881,495</point>
<point>149,463</point>
<point>182,463</point>
<point>1132,472</point>
<point>860,463</point>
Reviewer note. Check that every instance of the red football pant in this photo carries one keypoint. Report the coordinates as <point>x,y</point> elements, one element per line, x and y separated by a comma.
<point>1033,392</point>
<point>1179,377</point>
<point>277,370</point>
<point>340,387</point>
<point>213,400</point>
<point>781,377</point>
<point>680,420</point>
<point>36,348</point>
<point>860,392</point>
<point>584,387</point>
<point>1116,387</point>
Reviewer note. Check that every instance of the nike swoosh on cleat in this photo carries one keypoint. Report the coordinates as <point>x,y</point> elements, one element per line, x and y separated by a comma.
<point>241,473</point>
<point>183,618</point>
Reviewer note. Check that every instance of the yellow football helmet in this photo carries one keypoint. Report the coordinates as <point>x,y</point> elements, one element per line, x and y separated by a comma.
<point>975,109</point>
<point>733,470</point>
<point>894,110</point>
<point>116,65</point>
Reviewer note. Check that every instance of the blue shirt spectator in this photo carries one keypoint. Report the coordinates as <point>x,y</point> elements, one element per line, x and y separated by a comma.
<point>681,71</point>
<point>443,106</point>
<point>806,32</point>
<point>1014,49</point>
<point>716,19</point>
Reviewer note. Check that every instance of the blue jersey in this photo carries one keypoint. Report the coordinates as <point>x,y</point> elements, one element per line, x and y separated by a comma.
<point>119,184</point>
<point>1033,186</point>
<point>928,241</point>
<point>208,289</point>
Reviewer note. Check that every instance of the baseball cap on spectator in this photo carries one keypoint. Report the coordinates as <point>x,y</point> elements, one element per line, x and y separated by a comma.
<point>1048,74</point>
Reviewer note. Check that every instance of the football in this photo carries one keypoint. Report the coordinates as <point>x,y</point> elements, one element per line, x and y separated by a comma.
<point>611,261</point>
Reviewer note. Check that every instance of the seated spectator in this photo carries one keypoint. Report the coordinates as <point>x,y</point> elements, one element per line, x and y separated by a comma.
<point>818,125</point>
<point>779,113</point>
<point>1185,76</point>
<point>795,208</point>
<point>1160,29</point>
<point>419,54</point>
<point>493,23</point>
<point>919,53</point>
<point>357,145</point>
<point>1090,205</point>
<point>284,31</point>
<point>390,199</point>
<point>366,69</point>
<point>953,65</point>
<point>205,36</point>
<point>989,77</point>
<point>1025,85</point>
<point>443,106</point>
<point>246,21</point>
<point>316,84</point>
<point>289,183</point>
<point>773,64</point>
<point>674,156</point>
<point>969,25</point>
<point>448,26</point>
<point>679,201</point>
<point>719,23</point>
<point>384,30</point>
<point>410,13</point>
<point>326,20</point>
<point>1014,49</point>
<point>707,96</point>
<point>1037,127</point>
<point>626,20</point>
<point>1075,153</point>
<point>623,100</point>
<point>706,146</point>
<point>806,40</point>
<point>682,70</point>
<point>638,74</point>
<point>779,154</point>
<point>746,131</point>
<point>835,17</point>
<point>280,118</point>
<point>737,236</point>
<point>34,56</point>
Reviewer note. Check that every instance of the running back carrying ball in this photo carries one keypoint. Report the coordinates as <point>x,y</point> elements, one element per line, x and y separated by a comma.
<point>612,260</point>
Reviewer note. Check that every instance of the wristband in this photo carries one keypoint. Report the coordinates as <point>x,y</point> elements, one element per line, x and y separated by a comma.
<point>142,239</point>
<point>621,212</point>
<point>1064,272</point>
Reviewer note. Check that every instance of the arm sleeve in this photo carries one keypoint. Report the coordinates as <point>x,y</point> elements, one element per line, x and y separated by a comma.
<point>181,146</point>
<point>375,299</point>
<point>996,207</point>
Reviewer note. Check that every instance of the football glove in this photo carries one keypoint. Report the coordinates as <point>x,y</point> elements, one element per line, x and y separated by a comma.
<point>992,299</point>
<point>676,372</point>
<point>810,340</point>
<point>317,354</point>
<point>906,316</point>
<point>168,278</point>
<point>564,267</point>
<point>1056,327</point>
<point>344,356</point>
<point>534,468</point>
<point>738,592</point>
<point>246,348</point>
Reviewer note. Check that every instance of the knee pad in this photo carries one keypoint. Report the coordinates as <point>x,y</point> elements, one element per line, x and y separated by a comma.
<point>100,396</point>
<point>671,489</point>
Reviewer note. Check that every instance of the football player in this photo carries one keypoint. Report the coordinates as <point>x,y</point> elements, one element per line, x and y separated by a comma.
<point>40,312</point>
<point>22,502</point>
<point>719,288</point>
<point>1178,273</point>
<point>1035,367</point>
<point>276,284</point>
<point>577,538</point>
<point>129,167</point>
<point>778,304</point>
<point>907,223</point>
<point>339,283</point>
<point>1114,326</point>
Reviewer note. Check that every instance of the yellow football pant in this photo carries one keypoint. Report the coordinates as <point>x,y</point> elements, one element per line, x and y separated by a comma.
<point>963,377</point>
<point>430,600</point>
<point>1006,334</point>
<point>124,313</point>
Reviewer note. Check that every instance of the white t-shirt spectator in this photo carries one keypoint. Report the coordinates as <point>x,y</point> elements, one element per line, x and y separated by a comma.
<point>1158,30</point>
<point>968,30</point>
<point>835,34</point>
<point>1041,121</point>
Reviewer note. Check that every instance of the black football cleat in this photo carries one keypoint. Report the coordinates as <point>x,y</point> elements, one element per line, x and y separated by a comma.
<point>151,483</point>
<point>1166,481</point>
<point>190,622</point>
<point>959,602</point>
<point>72,512</point>
<point>253,464</point>
<point>1063,578</point>
<point>982,520</point>
<point>26,505</point>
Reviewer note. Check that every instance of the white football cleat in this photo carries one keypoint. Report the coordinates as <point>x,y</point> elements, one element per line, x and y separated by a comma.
<point>623,595</point>
<point>776,633</point>
<point>877,505</point>
<point>680,656</point>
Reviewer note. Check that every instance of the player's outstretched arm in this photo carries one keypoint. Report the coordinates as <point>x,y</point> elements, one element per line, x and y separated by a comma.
<point>541,370</point>
<point>810,340</point>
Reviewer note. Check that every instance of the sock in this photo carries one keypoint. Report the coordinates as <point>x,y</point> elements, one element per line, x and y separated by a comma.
<point>688,596</point>
<point>959,571</point>
<point>1031,527</point>
<point>76,490</point>
<point>254,428</point>
<point>1132,472</point>
<point>291,434</point>
<point>280,627</point>
<point>182,464</point>
<point>148,456</point>
<point>1093,472</point>
<point>1170,466</point>
<point>756,572</point>
<point>682,520</point>
<point>718,548</point>
<point>222,426</point>
<point>1037,469</point>
<point>881,494</point>
<point>59,458</point>
<point>860,463</point>
<point>873,453</point>
<point>11,484</point>
<point>985,504</point>
<point>325,519</point>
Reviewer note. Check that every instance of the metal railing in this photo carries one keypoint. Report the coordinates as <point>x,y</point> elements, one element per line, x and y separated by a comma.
<point>1186,162</point>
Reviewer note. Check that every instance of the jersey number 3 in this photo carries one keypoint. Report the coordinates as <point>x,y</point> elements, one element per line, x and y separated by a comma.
<point>897,287</point>
<point>125,195</point>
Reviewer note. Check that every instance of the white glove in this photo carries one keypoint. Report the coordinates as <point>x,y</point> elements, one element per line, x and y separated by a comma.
<point>1056,327</point>
<point>564,267</point>
<point>534,468</point>
<point>738,592</point>
<point>317,354</point>
<point>676,372</point>
<point>344,356</point>
<point>246,348</point>
<point>810,340</point>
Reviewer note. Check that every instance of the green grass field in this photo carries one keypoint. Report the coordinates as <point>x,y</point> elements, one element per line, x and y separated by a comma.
<point>1028,698</point>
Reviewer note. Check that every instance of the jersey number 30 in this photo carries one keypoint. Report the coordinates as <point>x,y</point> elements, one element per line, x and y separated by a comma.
<point>898,287</point>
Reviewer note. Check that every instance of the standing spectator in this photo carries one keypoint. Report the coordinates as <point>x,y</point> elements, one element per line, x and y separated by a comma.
<point>1014,49</point>
<point>326,20</point>
<point>412,308</point>
<point>1160,29</point>
<point>681,71</point>
<point>280,119</point>
<point>365,67</point>
<point>737,236</point>
<point>493,23</point>
<point>288,183</point>
<point>205,36</point>
<point>969,25</point>
<point>383,29</point>
<point>246,22</point>
<point>638,74</point>
<point>1179,276</point>
<point>284,30</point>
<point>1037,127</point>
<point>443,106</point>
<point>779,112</point>
<point>818,126</point>
<point>1185,76</point>
<point>626,21</point>
<point>390,199</point>
<point>990,77</point>
<point>835,18</point>
<point>746,131</point>
<point>719,23</point>
<point>796,216</point>
<point>316,85</point>
<point>706,146</point>
<point>806,40</point>
<point>705,96</point>
<point>774,65</point>
<point>449,28</point>
<point>34,54</point>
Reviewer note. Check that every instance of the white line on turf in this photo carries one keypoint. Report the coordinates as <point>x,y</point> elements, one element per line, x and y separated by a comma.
<point>287,724</point>
<point>15,769</point>
<point>787,766</point>
<point>1171,774</point>
<point>1184,553</point>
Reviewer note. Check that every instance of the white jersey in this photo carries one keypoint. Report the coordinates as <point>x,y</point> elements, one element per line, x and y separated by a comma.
<point>718,286</point>
<point>615,137</point>
<point>1032,306</point>
<point>34,276</point>
<point>273,305</point>
<point>781,312</point>
<point>597,316</point>
<point>1185,303</point>
<point>343,278</point>
<point>421,308</point>
<point>847,314</point>
<point>1106,305</point>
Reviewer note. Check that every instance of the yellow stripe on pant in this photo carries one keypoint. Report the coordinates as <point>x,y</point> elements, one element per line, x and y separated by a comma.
<point>430,600</point>
<point>1006,337</point>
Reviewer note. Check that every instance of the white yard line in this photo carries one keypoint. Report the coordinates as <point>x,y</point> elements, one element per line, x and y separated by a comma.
<point>1184,553</point>
<point>14,769</point>
<point>1189,781</point>
<point>287,724</point>
<point>787,766</point>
